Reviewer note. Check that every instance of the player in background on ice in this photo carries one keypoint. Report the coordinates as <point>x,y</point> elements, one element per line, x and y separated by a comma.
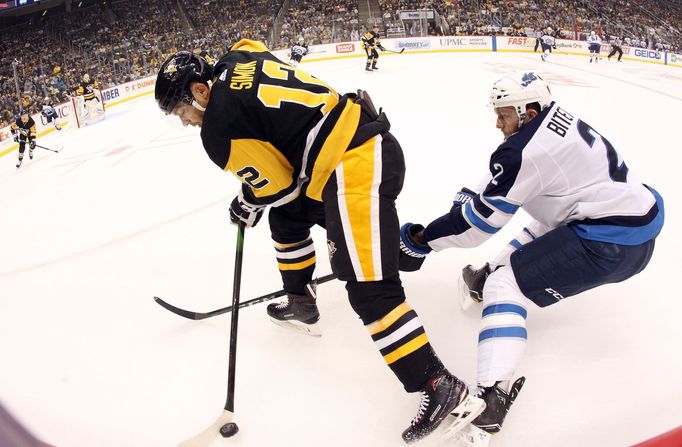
<point>317,157</point>
<point>371,42</point>
<point>594,223</point>
<point>91,101</point>
<point>24,131</point>
<point>615,48</point>
<point>299,50</point>
<point>50,113</point>
<point>547,42</point>
<point>594,42</point>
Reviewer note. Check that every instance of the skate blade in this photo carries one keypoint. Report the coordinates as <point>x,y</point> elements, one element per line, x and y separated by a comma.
<point>462,415</point>
<point>465,300</point>
<point>471,436</point>
<point>312,330</point>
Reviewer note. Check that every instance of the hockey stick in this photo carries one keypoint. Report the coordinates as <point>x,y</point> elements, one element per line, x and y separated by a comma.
<point>47,148</point>
<point>396,52</point>
<point>203,315</point>
<point>224,424</point>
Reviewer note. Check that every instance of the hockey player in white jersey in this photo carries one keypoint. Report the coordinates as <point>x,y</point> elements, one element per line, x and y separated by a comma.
<point>50,114</point>
<point>299,50</point>
<point>594,42</point>
<point>594,223</point>
<point>547,42</point>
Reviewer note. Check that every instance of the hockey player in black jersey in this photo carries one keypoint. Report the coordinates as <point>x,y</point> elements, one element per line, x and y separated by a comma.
<point>315,156</point>
<point>371,43</point>
<point>24,131</point>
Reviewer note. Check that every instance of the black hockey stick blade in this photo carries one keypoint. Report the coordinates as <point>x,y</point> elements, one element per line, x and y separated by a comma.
<point>396,52</point>
<point>191,315</point>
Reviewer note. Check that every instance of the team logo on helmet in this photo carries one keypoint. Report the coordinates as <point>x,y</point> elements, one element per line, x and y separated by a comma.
<point>172,67</point>
<point>527,78</point>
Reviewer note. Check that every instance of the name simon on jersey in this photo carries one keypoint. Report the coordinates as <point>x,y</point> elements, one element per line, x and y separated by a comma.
<point>560,122</point>
<point>242,76</point>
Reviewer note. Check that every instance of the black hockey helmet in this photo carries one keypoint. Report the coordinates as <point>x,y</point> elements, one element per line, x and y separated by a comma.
<point>176,76</point>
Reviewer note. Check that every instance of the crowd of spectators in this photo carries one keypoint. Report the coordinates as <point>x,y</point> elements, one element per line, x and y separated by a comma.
<point>320,22</point>
<point>123,40</point>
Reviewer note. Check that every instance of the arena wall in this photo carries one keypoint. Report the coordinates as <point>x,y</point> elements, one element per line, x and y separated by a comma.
<point>123,93</point>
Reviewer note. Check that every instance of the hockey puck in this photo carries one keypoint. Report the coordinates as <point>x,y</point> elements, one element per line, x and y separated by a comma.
<point>228,430</point>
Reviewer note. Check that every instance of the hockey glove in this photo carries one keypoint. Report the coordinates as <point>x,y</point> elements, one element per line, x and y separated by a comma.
<point>382,48</point>
<point>245,212</point>
<point>463,196</point>
<point>412,253</point>
<point>15,137</point>
<point>32,144</point>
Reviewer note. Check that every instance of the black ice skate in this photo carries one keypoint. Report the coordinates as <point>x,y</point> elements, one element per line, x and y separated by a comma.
<point>18,164</point>
<point>30,154</point>
<point>444,396</point>
<point>471,284</point>
<point>368,68</point>
<point>497,403</point>
<point>374,66</point>
<point>298,312</point>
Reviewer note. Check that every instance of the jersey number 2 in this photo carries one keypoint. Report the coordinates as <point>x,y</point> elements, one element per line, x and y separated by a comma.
<point>617,171</point>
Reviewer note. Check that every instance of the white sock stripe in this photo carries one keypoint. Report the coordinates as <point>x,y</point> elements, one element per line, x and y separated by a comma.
<point>296,253</point>
<point>396,335</point>
<point>502,320</point>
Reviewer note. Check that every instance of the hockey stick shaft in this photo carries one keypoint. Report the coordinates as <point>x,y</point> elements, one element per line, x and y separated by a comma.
<point>46,148</point>
<point>236,286</point>
<point>191,315</point>
<point>396,52</point>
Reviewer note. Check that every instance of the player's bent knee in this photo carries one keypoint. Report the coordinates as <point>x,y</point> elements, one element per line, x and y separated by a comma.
<point>372,300</point>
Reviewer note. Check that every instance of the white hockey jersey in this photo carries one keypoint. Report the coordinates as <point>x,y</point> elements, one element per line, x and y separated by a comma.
<point>594,39</point>
<point>561,171</point>
<point>548,40</point>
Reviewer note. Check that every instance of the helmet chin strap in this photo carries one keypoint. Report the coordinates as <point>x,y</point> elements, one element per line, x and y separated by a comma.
<point>198,106</point>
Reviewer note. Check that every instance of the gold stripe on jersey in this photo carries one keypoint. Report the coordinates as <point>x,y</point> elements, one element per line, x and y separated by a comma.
<point>389,319</point>
<point>260,165</point>
<point>333,149</point>
<point>252,46</point>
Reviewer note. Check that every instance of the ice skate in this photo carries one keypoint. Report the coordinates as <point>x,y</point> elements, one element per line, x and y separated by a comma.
<point>498,403</point>
<point>471,284</point>
<point>298,312</point>
<point>444,396</point>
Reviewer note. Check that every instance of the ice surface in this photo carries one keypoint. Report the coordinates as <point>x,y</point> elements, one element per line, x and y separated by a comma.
<point>133,208</point>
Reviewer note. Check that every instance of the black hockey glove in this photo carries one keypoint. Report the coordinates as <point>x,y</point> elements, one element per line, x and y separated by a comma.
<point>412,253</point>
<point>245,212</point>
<point>15,137</point>
<point>382,48</point>
<point>32,143</point>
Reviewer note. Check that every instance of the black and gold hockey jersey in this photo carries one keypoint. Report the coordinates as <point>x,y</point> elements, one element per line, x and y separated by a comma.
<point>371,40</point>
<point>281,131</point>
<point>87,89</point>
<point>25,130</point>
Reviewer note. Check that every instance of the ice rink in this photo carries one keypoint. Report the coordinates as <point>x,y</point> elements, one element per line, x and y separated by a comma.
<point>133,207</point>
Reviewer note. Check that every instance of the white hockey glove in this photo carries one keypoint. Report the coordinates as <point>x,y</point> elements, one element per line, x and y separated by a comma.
<point>245,212</point>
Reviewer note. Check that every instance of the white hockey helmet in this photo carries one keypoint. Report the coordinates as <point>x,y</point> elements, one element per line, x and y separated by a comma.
<point>592,33</point>
<point>519,89</point>
<point>301,40</point>
<point>549,30</point>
